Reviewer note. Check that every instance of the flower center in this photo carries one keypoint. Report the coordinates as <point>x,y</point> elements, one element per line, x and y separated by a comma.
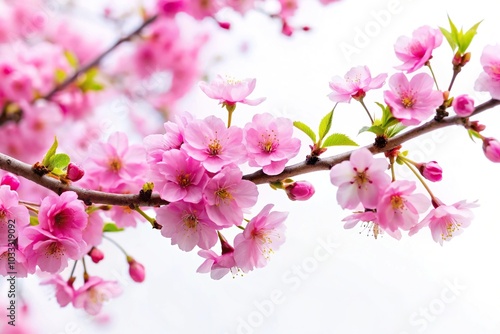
<point>61,218</point>
<point>184,179</point>
<point>451,227</point>
<point>96,297</point>
<point>361,178</point>
<point>269,142</point>
<point>115,165</point>
<point>214,148</point>
<point>407,101</point>
<point>54,250</point>
<point>190,221</point>
<point>397,202</point>
<point>223,196</point>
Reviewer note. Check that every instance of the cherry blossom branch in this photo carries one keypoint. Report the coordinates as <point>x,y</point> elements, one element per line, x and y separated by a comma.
<point>99,58</point>
<point>91,196</point>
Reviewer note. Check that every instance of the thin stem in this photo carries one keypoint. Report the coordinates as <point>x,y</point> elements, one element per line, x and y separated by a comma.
<point>393,174</point>
<point>417,174</point>
<point>73,270</point>
<point>455,74</point>
<point>366,109</point>
<point>85,273</point>
<point>428,63</point>
<point>229,117</point>
<point>152,221</point>
<point>116,244</point>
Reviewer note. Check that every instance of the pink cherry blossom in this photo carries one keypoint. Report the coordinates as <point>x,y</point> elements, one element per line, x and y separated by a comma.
<point>179,177</point>
<point>188,225</point>
<point>11,180</point>
<point>269,143</point>
<point>94,293</point>
<point>463,105</point>
<point>13,261</point>
<point>491,149</point>
<point>399,207</point>
<point>446,221</point>
<point>264,234</point>
<point>217,265</point>
<point>64,289</point>
<point>416,51</point>
<point>299,191</point>
<point>372,223</point>
<point>116,161</point>
<point>229,91</point>
<point>412,101</point>
<point>489,80</point>
<point>63,215</point>
<point>213,144</point>
<point>92,233</point>
<point>431,171</point>
<point>360,179</point>
<point>354,84</point>
<point>11,213</point>
<point>226,195</point>
<point>49,252</point>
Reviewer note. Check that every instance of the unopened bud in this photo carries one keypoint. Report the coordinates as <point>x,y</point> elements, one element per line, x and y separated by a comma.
<point>96,255</point>
<point>491,148</point>
<point>10,180</point>
<point>431,171</point>
<point>463,105</point>
<point>136,270</point>
<point>300,191</point>
<point>73,172</point>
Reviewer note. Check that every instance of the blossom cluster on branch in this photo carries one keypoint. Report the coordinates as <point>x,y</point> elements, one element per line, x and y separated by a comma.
<point>191,175</point>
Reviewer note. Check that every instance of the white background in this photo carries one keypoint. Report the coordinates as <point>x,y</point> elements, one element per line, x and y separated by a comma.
<point>363,285</point>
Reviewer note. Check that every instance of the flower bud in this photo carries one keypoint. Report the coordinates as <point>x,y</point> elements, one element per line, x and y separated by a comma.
<point>73,172</point>
<point>491,148</point>
<point>463,105</point>
<point>299,191</point>
<point>10,180</point>
<point>457,59</point>
<point>136,270</point>
<point>431,171</point>
<point>96,255</point>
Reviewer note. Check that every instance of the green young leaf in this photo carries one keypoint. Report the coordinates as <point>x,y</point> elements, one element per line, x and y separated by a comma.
<point>376,129</point>
<point>394,129</point>
<point>111,227</point>
<point>473,134</point>
<point>71,58</point>
<point>60,75</point>
<point>325,125</point>
<point>339,139</point>
<point>87,81</point>
<point>306,129</point>
<point>50,153</point>
<point>467,38</point>
<point>449,38</point>
<point>34,220</point>
<point>59,160</point>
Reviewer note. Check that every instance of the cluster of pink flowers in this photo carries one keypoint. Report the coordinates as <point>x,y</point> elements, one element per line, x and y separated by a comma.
<point>194,166</point>
<point>394,206</point>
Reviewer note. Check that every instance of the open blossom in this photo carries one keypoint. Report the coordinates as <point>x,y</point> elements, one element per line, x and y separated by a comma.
<point>269,143</point>
<point>94,293</point>
<point>264,234</point>
<point>360,180</point>
<point>116,162</point>
<point>463,105</point>
<point>10,211</point>
<point>226,195</point>
<point>416,51</point>
<point>399,207</point>
<point>49,252</point>
<point>179,177</point>
<point>63,215</point>
<point>446,221</point>
<point>20,262</point>
<point>354,84</point>
<point>489,80</point>
<point>230,91</point>
<point>64,290</point>
<point>371,220</point>
<point>213,144</point>
<point>491,149</point>
<point>217,265</point>
<point>412,101</point>
<point>188,225</point>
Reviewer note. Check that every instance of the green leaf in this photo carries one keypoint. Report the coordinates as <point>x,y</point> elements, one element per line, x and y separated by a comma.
<point>306,129</point>
<point>71,58</point>
<point>87,81</point>
<point>60,76</point>
<point>325,125</point>
<point>473,134</point>
<point>449,38</point>
<point>34,220</point>
<point>395,129</point>
<point>376,129</point>
<point>60,161</point>
<point>467,38</point>
<point>339,139</point>
<point>50,153</point>
<point>111,227</point>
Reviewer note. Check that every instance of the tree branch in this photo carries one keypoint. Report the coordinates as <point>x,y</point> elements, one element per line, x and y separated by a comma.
<point>98,59</point>
<point>90,196</point>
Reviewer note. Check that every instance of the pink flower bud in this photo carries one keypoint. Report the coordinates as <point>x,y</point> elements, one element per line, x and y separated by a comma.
<point>491,148</point>
<point>74,173</point>
<point>224,25</point>
<point>136,270</point>
<point>96,255</point>
<point>10,180</point>
<point>431,171</point>
<point>463,105</point>
<point>299,191</point>
<point>170,7</point>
